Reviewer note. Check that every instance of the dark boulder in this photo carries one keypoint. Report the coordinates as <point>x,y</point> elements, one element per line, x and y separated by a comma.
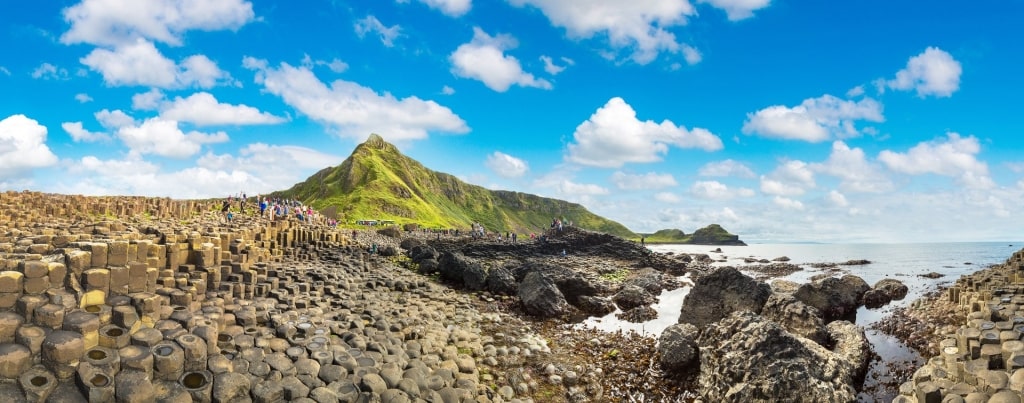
<point>650,280</point>
<point>747,358</point>
<point>595,306</point>
<point>392,232</point>
<point>835,298</point>
<point>500,281</point>
<point>632,296</point>
<point>421,252</point>
<point>458,269</point>
<point>678,348</point>
<point>719,293</point>
<point>885,291</point>
<point>428,266</point>
<point>573,285</point>
<point>388,251</point>
<point>541,297</point>
<point>409,243</point>
<point>796,317</point>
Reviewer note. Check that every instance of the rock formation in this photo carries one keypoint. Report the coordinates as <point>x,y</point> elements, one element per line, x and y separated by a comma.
<point>719,293</point>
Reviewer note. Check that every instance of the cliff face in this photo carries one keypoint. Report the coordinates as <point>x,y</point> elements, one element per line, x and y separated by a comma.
<point>377,182</point>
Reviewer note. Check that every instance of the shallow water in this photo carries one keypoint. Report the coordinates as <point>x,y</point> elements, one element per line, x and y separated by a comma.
<point>904,262</point>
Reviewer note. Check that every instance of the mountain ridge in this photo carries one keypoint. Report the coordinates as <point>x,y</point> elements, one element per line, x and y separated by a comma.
<point>378,182</point>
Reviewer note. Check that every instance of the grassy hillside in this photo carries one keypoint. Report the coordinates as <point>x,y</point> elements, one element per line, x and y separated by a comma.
<point>713,234</point>
<point>377,182</point>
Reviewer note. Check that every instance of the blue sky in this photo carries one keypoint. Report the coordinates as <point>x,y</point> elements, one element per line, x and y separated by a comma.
<point>869,121</point>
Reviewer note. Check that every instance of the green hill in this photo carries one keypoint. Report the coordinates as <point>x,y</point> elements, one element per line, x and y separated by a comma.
<point>713,234</point>
<point>377,182</point>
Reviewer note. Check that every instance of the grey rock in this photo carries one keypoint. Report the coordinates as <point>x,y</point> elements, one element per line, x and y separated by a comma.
<point>541,297</point>
<point>719,293</point>
<point>834,297</point>
<point>678,348</point>
<point>796,317</point>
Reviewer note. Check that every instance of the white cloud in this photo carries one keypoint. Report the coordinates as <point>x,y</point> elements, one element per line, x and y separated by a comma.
<point>791,178</point>
<point>202,109</point>
<point>837,199</point>
<point>83,98</point>
<point>446,90</point>
<point>5,71</point>
<point>853,169</point>
<point>738,9</point>
<point>650,180</point>
<point>113,120</point>
<point>80,135</point>
<point>613,136</point>
<point>484,59</point>
<point>814,120</point>
<point>956,157</point>
<point>140,63</point>
<point>47,71</point>
<point>639,28</point>
<point>355,111</point>
<point>726,168</point>
<point>506,165</point>
<point>451,8</point>
<point>667,197</point>
<point>787,203</point>
<point>553,69</point>
<point>855,91</point>
<point>163,137</point>
<point>118,22</point>
<point>714,190</point>
<point>336,65</point>
<point>23,147</point>
<point>371,25</point>
<point>933,72</point>
<point>148,100</point>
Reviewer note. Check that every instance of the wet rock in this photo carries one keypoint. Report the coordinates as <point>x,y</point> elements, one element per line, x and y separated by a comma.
<point>633,296</point>
<point>541,297</point>
<point>678,348</point>
<point>746,357</point>
<point>388,251</point>
<point>834,297</point>
<point>717,294</point>
<point>796,317</point>
<point>420,253</point>
<point>851,344</point>
<point>501,281</point>
<point>595,306</point>
<point>410,243</point>
<point>932,275</point>
<point>648,279</point>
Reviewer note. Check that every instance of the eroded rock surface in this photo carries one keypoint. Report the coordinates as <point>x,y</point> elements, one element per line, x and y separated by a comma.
<point>719,293</point>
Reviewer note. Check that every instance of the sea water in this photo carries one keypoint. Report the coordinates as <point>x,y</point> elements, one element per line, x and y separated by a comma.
<point>904,262</point>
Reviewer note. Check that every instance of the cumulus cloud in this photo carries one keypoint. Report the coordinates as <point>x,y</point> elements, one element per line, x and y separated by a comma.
<point>336,65</point>
<point>451,8</point>
<point>954,157</point>
<point>726,168</point>
<point>23,147</point>
<point>202,109</point>
<point>255,169</point>
<point>613,136</point>
<point>933,72</point>
<point>738,9</point>
<point>853,169</point>
<point>553,69</point>
<point>814,120</point>
<point>446,90</point>
<point>47,71</point>
<point>484,59</point>
<point>113,120</point>
<point>162,137</point>
<point>140,63</point>
<point>638,28</point>
<point>791,178</point>
<point>83,98</point>
<point>80,135</point>
<point>714,190</point>
<point>354,110</point>
<point>148,100</point>
<point>506,165</point>
<point>837,199</point>
<point>371,25</point>
<point>650,180</point>
<point>119,22</point>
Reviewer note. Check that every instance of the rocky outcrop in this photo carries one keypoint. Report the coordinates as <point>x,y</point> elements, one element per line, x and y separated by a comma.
<point>885,291</point>
<point>850,343</point>
<point>632,296</point>
<point>500,281</point>
<point>458,269</point>
<point>747,358</point>
<point>717,294</point>
<point>678,348</point>
<point>541,297</point>
<point>834,297</point>
<point>796,317</point>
